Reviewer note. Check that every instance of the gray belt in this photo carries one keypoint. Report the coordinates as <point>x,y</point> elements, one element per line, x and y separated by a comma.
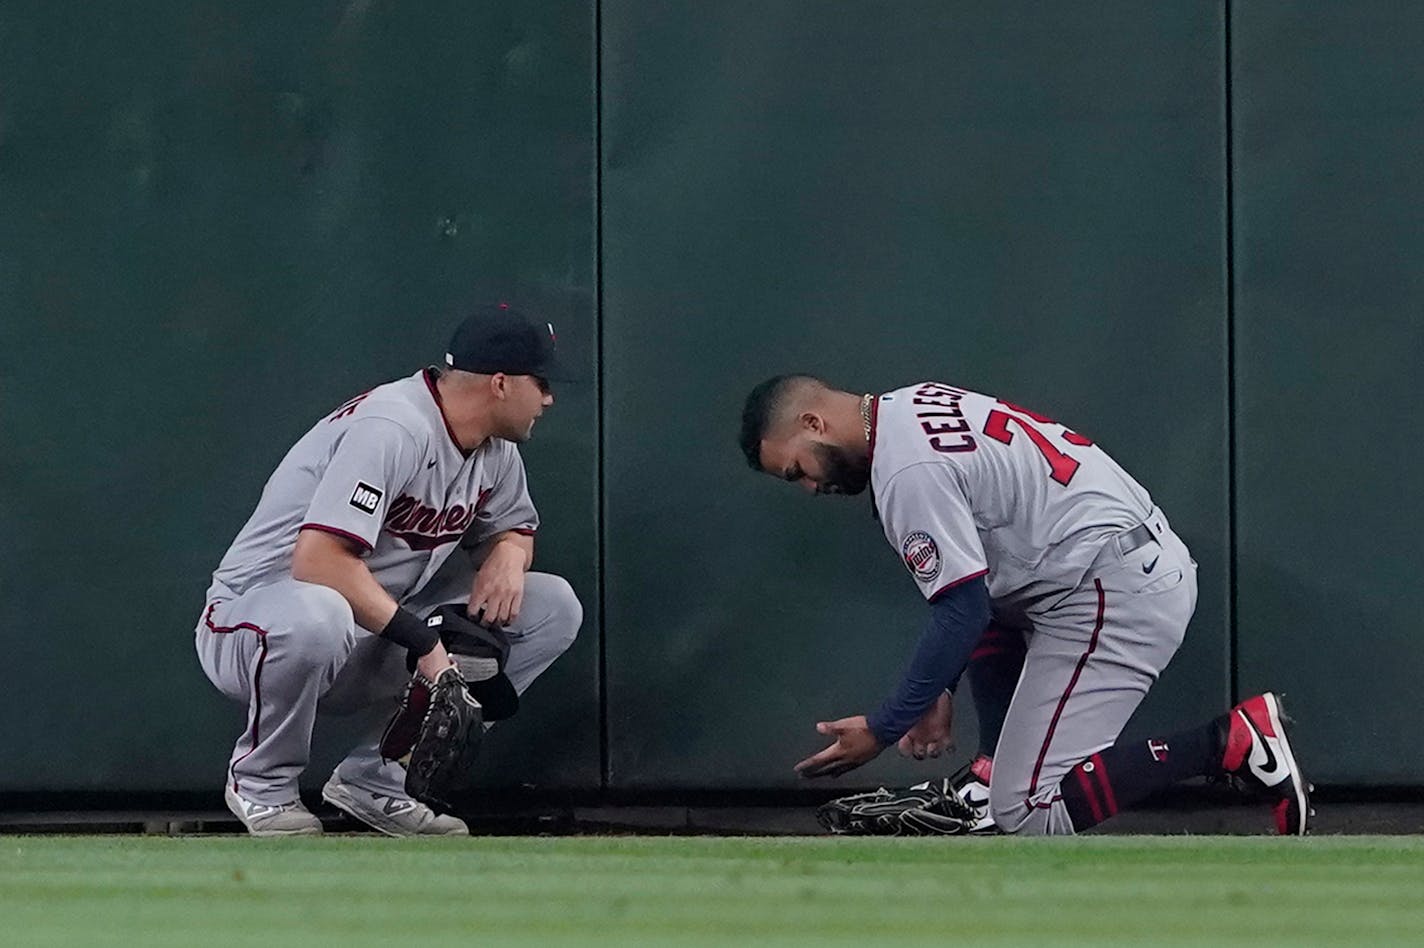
<point>1136,538</point>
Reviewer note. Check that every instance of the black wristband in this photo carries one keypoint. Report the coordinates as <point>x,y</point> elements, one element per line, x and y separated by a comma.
<point>405,629</point>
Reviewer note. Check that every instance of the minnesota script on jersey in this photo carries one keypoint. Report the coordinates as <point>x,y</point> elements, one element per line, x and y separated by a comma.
<point>969,485</point>
<point>385,472</point>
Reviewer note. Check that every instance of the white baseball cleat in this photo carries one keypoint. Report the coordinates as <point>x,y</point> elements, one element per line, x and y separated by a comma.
<point>394,816</point>
<point>264,819</point>
<point>972,785</point>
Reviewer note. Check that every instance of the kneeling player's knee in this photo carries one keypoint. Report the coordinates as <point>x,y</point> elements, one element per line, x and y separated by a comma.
<point>1024,810</point>
<point>1016,804</point>
<point>1009,809</point>
<point>319,625</point>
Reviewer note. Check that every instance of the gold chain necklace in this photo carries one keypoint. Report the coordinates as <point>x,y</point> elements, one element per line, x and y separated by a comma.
<point>865,404</point>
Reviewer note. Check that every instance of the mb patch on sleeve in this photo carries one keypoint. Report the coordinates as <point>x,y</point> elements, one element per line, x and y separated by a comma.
<point>365,498</point>
<point>921,555</point>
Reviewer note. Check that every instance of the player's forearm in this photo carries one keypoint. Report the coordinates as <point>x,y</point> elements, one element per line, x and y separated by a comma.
<point>325,560</point>
<point>522,542</point>
<point>957,622</point>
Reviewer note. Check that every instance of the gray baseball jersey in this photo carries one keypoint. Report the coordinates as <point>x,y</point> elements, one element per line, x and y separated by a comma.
<point>968,485</point>
<point>1074,553</point>
<point>385,472</point>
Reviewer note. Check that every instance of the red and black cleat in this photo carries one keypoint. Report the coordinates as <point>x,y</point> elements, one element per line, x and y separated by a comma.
<point>1258,753</point>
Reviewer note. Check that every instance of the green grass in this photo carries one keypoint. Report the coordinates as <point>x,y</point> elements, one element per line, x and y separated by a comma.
<point>363,890</point>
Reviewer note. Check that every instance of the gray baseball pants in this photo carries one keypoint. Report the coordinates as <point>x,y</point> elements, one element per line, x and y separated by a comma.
<point>1092,656</point>
<point>291,649</point>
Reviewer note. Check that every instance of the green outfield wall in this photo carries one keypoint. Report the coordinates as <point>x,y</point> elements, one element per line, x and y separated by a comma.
<point>1187,230</point>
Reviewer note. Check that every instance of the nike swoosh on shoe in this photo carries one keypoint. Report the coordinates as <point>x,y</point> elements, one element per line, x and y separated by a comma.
<point>1263,760</point>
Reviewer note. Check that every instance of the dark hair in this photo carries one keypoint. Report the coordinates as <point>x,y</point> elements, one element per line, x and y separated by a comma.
<point>764,403</point>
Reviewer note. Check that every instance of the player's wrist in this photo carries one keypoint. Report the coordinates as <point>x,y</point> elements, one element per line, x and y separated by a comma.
<point>407,630</point>
<point>434,664</point>
<point>882,730</point>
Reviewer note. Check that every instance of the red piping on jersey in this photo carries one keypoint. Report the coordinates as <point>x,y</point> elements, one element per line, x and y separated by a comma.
<point>429,377</point>
<point>1072,683</point>
<point>337,532</point>
<point>522,531</point>
<point>256,684</point>
<point>962,579</point>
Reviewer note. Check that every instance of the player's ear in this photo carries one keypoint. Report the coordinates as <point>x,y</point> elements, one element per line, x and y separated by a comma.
<point>812,422</point>
<point>499,385</point>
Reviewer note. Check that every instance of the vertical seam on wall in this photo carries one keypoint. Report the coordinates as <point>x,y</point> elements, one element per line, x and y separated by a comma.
<point>603,758</point>
<point>1233,652</point>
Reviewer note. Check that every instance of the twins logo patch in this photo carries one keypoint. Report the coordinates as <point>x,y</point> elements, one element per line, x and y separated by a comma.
<point>921,555</point>
<point>365,498</point>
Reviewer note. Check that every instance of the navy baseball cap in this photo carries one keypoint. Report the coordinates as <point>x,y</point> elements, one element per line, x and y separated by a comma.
<point>496,337</point>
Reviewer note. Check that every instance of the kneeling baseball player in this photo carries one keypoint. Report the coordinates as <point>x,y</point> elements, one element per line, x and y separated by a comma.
<point>1051,576</point>
<point>394,538</point>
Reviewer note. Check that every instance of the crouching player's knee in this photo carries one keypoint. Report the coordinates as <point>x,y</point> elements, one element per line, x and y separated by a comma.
<point>318,627</point>
<point>565,613</point>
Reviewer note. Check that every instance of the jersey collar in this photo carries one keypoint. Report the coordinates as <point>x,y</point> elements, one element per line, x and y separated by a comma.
<point>430,374</point>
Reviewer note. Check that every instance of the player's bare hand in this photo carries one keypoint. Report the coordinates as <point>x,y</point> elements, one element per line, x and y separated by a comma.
<point>855,745</point>
<point>933,733</point>
<point>498,591</point>
<point>432,663</point>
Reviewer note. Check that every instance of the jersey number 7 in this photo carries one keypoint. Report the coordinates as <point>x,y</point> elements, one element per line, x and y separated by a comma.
<point>1061,467</point>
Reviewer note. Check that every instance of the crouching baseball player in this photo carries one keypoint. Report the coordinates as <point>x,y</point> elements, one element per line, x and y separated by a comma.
<point>395,537</point>
<point>1035,548</point>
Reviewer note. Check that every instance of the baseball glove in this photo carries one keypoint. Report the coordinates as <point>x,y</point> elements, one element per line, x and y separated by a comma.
<point>435,734</point>
<point>481,652</point>
<point>926,809</point>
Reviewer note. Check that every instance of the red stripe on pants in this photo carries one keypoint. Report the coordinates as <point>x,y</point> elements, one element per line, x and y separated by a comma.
<point>1072,683</point>
<point>256,708</point>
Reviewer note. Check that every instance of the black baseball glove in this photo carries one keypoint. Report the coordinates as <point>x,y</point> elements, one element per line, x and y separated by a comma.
<point>480,652</point>
<point>435,734</point>
<point>926,809</point>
